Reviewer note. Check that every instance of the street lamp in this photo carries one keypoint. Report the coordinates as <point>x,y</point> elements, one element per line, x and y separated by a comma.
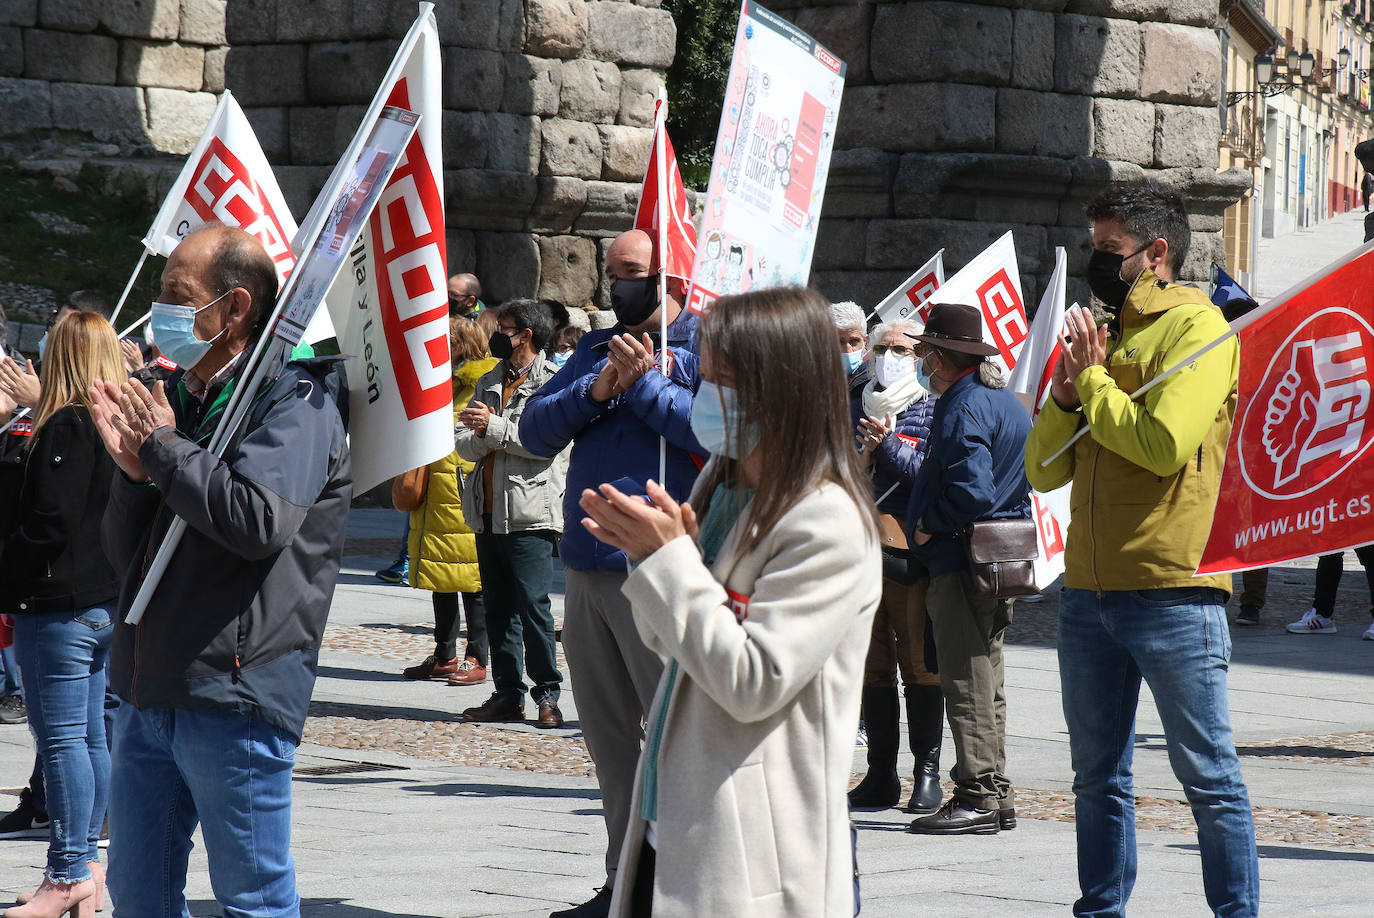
<point>1299,63</point>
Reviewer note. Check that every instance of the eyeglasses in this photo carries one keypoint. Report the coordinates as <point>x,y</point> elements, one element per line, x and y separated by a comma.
<point>901,350</point>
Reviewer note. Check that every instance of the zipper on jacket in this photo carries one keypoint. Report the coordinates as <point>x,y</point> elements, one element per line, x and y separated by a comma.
<point>1199,459</point>
<point>1092,518</point>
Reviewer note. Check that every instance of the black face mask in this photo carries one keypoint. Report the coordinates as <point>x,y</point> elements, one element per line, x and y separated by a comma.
<point>634,299</point>
<point>1104,277</point>
<point>500,346</point>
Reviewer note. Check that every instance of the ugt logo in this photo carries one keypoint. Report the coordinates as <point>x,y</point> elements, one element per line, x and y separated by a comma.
<point>1309,418</point>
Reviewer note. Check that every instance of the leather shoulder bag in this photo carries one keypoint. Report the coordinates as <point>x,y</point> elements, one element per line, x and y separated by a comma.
<point>1001,558</point>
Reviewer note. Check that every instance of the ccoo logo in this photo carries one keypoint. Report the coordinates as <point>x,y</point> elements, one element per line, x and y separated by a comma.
<point>1309,419</point>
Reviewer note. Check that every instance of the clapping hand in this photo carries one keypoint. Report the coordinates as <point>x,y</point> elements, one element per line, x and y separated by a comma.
<point>475,417</point>
<point>126,417</point>
<point>20,383</point>
<point>636,526</point>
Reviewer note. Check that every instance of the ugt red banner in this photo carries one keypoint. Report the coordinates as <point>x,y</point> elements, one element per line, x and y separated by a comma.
<point>1298,480</point>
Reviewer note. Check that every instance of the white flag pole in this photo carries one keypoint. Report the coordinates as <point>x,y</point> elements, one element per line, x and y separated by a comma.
<point>661,157</point>
<point>257,368</point>
<point>130,285</point>
<point>1142,390</point>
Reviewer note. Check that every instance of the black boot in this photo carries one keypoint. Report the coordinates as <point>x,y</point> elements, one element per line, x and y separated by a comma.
<point>881,787</point>
<point>925,723</point>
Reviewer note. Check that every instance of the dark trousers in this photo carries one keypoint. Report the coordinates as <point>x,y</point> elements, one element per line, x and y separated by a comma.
<point>517,570</point>
<point>447,626</point>
<point>1329,570</point>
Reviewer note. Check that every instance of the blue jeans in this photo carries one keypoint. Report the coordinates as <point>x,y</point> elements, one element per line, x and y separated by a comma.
<point>9,678</point>
<point>62,659</point>
<point>1178,641</point>
<point>231,773</point>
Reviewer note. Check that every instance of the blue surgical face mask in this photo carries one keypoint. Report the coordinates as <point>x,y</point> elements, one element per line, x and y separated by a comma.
<point>718,424</point>
<point>174,332</point>
<point>923,377</point>
<point>852,359</point>
<point>560,359</point>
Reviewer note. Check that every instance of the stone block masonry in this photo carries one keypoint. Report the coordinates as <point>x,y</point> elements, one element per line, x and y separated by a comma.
<point>547,106</point>
<point>961,120</point>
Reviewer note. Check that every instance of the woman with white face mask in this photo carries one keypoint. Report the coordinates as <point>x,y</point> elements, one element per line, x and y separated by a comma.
<point>892,419</point>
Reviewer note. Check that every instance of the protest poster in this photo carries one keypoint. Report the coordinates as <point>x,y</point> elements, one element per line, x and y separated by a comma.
<point>992,282</point>
<point>1031,379</point>
<point>771,161</point>
<point>390,306</point>
<point>1298,480</point>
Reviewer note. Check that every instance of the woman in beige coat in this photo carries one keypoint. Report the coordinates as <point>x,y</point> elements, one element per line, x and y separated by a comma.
<point>763,610</point>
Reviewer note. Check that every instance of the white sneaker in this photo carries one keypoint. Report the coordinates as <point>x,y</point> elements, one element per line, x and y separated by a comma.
<point>1369,633</point>
<point>1312,623</point>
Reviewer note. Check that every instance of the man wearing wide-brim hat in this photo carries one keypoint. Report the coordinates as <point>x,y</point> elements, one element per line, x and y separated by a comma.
<point>973,471</point>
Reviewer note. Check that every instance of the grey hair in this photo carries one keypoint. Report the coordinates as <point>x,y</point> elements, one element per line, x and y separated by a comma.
<point>989,371</point>
<point>990,375</point>
<point>847,315</point>
<point>907,326</point>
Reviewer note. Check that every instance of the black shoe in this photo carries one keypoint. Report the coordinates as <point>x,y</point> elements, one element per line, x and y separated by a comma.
<point>1006,818</point>
<point>957,818</point>
<point>498,709</point>
<point>27,821</point>
<point>598,906</point>
<point>1248,615</point>
<point>13,710</point>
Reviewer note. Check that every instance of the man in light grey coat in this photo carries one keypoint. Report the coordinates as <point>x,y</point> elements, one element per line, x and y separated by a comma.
<point>513,500</point>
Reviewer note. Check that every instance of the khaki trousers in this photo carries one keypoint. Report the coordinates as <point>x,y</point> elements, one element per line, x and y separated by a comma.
<point>614,677</point>
<point>899,637</point>
<point>968,638</point>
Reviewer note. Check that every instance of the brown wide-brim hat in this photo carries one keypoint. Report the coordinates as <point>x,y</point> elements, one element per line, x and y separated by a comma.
<point>956,327</point>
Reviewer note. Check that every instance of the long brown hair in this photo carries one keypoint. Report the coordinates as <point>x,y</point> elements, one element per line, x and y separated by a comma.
<point>779,346</point>
<point>81,348</point>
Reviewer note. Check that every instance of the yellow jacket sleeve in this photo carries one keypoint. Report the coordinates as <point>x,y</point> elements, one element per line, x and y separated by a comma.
<point>1052,429</point>
<point>1161,434</point>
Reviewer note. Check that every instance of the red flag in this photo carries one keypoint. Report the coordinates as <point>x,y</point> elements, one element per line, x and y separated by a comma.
<point>682,234</point>
<point>1298,480</point>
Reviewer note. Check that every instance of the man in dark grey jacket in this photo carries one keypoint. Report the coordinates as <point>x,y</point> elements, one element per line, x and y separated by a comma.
<point>217,676</point>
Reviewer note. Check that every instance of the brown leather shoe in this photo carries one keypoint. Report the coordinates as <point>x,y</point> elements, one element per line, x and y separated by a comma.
<point>469,672</point>
<point>549,717</point>
<point>431,668</point>
<point>498,709</point>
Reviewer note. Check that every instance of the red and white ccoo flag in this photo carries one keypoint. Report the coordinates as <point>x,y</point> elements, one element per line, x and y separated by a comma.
<point>1031,378</point>
<point>1298,479</point>
<point>681,232</point>
<point>914,294</point>
<point>228,180</point>
<point>390,301</point>
<point>992,282</point>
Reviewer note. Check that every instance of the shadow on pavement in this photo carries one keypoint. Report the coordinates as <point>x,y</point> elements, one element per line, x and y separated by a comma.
<point>504,790</point>
<point>310,908</point>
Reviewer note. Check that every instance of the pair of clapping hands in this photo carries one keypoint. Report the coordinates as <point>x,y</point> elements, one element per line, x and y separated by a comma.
<point>126,415</point>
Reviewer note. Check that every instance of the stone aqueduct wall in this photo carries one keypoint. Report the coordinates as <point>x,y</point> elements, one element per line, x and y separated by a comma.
<point>959,119</point>
<point>547,121</point>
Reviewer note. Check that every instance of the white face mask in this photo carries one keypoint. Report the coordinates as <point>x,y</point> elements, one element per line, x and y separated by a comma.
<point>892,369</point>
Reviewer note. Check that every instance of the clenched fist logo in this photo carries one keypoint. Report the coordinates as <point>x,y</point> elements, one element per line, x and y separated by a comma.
<point>1308,418</point>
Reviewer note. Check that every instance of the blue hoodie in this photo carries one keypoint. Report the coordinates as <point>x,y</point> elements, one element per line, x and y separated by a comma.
<point>616,441</point>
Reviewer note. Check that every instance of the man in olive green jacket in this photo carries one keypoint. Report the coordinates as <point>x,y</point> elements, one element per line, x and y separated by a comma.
<point>1145,482</point>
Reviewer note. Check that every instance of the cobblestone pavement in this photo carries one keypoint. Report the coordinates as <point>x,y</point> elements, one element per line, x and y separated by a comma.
<point>518,747</point>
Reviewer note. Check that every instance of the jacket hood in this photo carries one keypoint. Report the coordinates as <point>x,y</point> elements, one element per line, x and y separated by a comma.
<point>468,372</point>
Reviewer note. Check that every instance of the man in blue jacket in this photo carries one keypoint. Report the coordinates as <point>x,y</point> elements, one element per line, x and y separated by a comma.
<point>613,403</point>
<point>973,470</point>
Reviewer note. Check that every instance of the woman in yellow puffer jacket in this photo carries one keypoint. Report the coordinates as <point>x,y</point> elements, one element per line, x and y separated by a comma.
<point>443,550</point>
